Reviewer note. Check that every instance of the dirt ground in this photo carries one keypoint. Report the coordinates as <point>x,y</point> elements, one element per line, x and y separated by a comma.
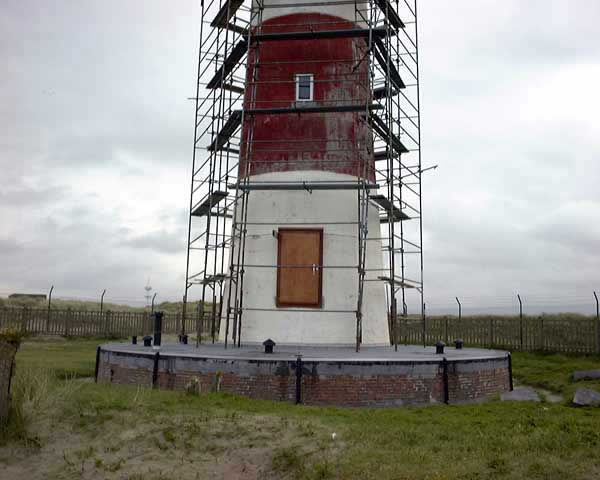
<point>122,445</point>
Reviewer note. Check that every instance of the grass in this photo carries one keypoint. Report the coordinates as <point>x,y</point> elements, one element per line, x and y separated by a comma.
<point>79,429</point>
<point>553,371</point>
<point>63,358</point>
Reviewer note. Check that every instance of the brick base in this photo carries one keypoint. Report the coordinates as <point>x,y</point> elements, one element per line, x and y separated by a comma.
<point>341,383</point>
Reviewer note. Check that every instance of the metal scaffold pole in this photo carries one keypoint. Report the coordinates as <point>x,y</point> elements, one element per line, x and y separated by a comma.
<point>384,69</point>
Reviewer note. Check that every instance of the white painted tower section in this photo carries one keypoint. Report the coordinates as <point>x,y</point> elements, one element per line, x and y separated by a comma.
<point>278,8</point>
<point>261,318</point>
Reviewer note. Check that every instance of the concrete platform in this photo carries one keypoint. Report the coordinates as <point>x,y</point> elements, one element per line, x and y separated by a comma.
<point>323,375</point>
<point>408,353</point>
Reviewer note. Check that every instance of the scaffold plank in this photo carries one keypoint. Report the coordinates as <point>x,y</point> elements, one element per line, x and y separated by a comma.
<point>206,206</point>
<point>387,206</point>
<point>319,109</point>
<point>381,54</point>
<point>229,64</point>
<point>233,88</point>
<point>309,186</point>
<point>380,127</point>
<point>231,125</point>
<point>226,13</point>
<point>391,14</point>
<point>381,92</point>
<point>379,32</point>
<point>396,281</point>
<point>381,155</point>
<point>212,279</point>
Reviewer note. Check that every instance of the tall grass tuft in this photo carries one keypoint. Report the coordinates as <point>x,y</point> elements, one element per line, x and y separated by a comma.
<point>34,391</point>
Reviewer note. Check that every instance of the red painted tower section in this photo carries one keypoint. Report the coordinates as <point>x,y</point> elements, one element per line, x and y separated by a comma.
<point>330,141</point>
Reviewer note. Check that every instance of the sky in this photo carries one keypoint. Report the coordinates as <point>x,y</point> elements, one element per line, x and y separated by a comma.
<point>96,133</point>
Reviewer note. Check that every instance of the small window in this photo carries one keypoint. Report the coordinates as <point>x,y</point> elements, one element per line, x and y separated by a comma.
<point>304,87</point>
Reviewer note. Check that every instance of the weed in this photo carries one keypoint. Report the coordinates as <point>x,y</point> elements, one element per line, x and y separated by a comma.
<point>288,460</point>
<point>169,435</point>
<point>322,471</point>
<point>114,466</point>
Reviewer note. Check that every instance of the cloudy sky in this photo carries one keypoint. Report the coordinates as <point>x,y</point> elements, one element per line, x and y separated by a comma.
<point>96,139</point>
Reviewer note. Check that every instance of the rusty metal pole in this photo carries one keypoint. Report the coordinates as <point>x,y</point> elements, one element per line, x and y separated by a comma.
<point>597,325</point>
<point>49,306</point>
<point>424,311</point>
<point>183,313</point>
<point>459,318</point>
<point>102,302</point>
<point>520,320</point>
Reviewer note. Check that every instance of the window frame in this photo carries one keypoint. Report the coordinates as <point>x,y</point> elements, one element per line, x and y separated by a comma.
<point>311,85</point>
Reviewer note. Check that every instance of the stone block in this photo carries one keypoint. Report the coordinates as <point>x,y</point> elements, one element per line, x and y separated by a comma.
<point>586,397</point>
<point>521,394</point>
<point>586,375</point>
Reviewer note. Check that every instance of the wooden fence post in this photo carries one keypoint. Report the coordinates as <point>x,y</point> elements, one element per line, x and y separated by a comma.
<point>24,320</point>
<point>106,320</point>
<point>67,321</point>
<point>49,313</point>
<point>446,330</point>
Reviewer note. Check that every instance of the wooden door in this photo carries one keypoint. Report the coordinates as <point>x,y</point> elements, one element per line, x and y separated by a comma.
<point>299,271</point>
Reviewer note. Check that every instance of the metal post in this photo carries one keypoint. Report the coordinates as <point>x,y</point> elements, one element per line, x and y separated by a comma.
<point>153,297</point>
<point>299,379</point>
<point>510,373</point>
<point>520,320</point>
<point>102,301</point>
<point>459,318</point>
<point>445,380</point>
<point>98,349</point>
<point>183,315</point>
<point>155,370</point>
<point>395,321</point>
<point>597,325</point>
<point>49,306</point>
<point>424,312</point>
<point>158,326</point>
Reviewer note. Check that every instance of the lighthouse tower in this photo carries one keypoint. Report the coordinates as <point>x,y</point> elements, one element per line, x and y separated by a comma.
<point>306,173</point>
<point>299,199</point>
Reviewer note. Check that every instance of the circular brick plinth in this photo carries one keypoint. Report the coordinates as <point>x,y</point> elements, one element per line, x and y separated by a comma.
<point>374,377</point>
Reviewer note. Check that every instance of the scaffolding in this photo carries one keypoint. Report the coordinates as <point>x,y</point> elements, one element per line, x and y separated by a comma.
<point>226,111</point>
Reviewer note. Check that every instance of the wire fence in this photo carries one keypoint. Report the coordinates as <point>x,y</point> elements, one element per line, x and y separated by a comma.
<point>565,333</point>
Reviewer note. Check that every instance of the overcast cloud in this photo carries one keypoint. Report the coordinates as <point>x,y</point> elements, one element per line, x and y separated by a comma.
<point>96,134</point>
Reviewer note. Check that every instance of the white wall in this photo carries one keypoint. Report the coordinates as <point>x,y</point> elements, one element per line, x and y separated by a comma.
<point>340,248</point>
<point>275,8</point>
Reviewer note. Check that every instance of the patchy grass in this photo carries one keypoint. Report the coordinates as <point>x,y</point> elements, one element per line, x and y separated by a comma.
<point>63,358</point>
<point>553,371</point>
<point>84,430</point>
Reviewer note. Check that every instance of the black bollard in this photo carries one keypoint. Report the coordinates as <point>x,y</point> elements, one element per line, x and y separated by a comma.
<point>459,344</point>
<point>269,344</point>
<point>147,341</point>
<point>134,340</point>
<point>439,347</point>
<point>158,319</point>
